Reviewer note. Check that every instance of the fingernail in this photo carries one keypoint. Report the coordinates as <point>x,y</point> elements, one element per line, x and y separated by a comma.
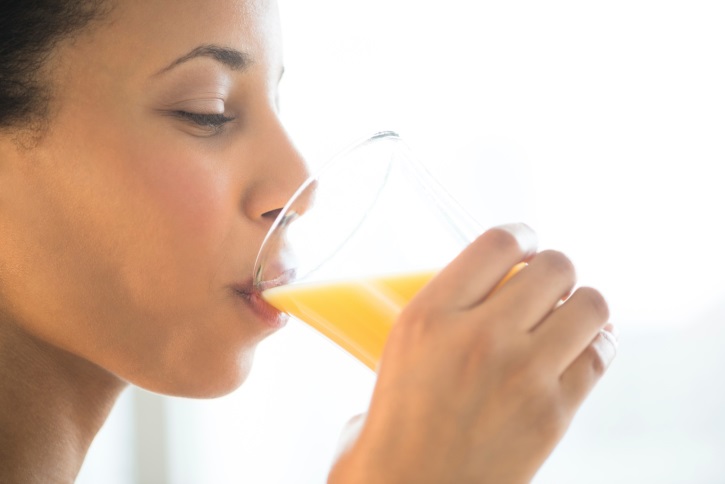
<point>612,330</point>
<point>523,234</point>
<point>610,335</point>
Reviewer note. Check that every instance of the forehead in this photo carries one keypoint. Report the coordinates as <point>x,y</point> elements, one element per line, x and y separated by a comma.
<point>149,34</point>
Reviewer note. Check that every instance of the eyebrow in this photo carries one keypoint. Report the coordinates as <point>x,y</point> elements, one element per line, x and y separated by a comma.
<point>232,58</point>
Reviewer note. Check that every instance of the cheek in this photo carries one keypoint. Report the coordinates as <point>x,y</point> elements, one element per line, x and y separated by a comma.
<point>192,198</point>
<point>192,206</point>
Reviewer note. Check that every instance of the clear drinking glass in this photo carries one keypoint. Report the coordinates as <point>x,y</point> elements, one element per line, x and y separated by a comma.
<point>357,241</point>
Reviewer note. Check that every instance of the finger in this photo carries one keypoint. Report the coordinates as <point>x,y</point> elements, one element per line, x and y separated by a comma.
<point>579,379</point>
<point>474,273</point>
<point>350,433</point>
<point>533,293</point>
<point>571,328</point>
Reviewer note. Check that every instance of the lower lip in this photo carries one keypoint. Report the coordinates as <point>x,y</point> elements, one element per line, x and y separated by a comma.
<point>271,316</point>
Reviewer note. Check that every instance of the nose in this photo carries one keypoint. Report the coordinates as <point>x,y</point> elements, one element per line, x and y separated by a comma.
<point>279,171</point>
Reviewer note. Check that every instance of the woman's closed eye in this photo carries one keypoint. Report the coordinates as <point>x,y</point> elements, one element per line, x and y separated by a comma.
<point>210,122</point>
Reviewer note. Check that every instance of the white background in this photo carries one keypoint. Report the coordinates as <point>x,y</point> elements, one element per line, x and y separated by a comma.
<point>600,124</point>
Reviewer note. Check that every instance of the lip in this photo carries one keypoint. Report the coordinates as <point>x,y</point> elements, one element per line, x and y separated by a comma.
<point>284,277</point>
<point>252,297</point>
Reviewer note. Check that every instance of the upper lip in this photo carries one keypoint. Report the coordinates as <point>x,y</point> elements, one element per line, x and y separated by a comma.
<point>284,277</point>
<point>249,288</point>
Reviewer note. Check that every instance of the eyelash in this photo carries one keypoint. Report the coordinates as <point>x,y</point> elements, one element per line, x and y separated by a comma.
<point>213,122</point>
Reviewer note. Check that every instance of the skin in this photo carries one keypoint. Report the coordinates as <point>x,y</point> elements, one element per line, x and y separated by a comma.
<point>479,383</point>
<point>126,226</point>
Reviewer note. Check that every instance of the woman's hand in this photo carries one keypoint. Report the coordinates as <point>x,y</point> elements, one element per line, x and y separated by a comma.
<point>477,385</point>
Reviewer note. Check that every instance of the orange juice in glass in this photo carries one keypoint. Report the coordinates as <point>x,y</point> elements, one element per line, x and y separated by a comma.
<point>357,314</point>
<point>357,241</point>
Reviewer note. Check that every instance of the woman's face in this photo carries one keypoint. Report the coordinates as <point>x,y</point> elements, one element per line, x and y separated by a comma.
<point>130,230</point>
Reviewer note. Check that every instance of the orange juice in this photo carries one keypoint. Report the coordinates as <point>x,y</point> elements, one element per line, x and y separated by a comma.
<point>356,314</point>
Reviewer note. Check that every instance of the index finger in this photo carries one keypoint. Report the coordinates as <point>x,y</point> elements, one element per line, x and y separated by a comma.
<point>478,269</point>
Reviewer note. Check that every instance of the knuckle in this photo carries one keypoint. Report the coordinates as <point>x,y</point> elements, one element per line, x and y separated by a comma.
<point>595,302</point>
<point>501,240</point>
<point>417,317</point>
<point>554,420</point>
<point>488,341</point>
<point>597,365</point>
<point>541,400</point>
<point>525,377</point>
<point>559,264</point>
<point>479,354</point>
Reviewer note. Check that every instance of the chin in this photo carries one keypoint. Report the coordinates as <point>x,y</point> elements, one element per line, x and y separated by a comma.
<point>205,380</point>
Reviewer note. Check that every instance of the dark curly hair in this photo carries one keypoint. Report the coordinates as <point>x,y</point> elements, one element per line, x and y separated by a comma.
<point>29,30</point>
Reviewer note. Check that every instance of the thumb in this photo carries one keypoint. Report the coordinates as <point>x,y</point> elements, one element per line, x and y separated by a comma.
<point>349,434</point>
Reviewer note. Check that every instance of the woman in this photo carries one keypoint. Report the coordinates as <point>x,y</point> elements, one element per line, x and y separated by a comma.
<point>141,163</point>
